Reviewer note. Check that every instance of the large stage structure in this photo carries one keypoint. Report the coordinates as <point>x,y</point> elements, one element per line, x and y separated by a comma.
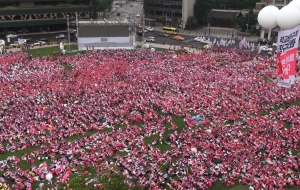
<point>103,34</point>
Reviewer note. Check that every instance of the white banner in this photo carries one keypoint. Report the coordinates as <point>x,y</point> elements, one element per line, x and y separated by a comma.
<point>288,39</point>
<point>287,47</point>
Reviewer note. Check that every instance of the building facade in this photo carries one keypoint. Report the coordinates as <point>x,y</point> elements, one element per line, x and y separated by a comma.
<point>94,35</point>
<point>172,12</point>
<point>40,15</point>
<point>277,3</point>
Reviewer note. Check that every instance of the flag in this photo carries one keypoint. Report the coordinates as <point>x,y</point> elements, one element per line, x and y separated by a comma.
<point>229,42</point>
<point>214,41</point>
<point>243,43</point>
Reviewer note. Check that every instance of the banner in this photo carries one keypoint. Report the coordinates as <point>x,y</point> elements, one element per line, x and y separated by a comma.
<point>21,41</point>
<point>287,48</point>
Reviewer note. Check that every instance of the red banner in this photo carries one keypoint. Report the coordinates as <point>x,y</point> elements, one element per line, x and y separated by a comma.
<point>287,63</point>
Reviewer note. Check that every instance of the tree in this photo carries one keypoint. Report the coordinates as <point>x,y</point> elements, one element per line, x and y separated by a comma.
<point>202,8</point>
<point>103,5</point>
<point>191,23</point>
<point>249,19</point>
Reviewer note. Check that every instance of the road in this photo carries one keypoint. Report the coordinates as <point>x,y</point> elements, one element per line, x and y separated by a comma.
<point>132,12</point>
<point>35,37</point>
<point>126,12</point>
<point>188,40</point>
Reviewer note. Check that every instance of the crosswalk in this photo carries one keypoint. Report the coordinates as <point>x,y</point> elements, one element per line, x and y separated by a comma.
<point>128,10</point>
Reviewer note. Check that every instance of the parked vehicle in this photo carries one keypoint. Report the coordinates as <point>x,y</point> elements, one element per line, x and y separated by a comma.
<point>140,32</point>
<point>264,41</point>
<point>202,40</point>
<point>145,30</point>
<point>150,29</point>
<point>27,39</point>
<point>16,44</point>
<point>10,32</point>
<point>163,34</point>
<point>150,39</point>
<point>178,38</point>
<point>265,48</point>
<point>140,26</point>
<point>2,42</point>
<point>38,43</point>
<point>23,31</point>
<point>43,40</point>
<point>11,36</point>
<point>60,36</point>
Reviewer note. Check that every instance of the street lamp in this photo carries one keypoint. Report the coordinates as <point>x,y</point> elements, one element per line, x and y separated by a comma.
<point>68,24</point>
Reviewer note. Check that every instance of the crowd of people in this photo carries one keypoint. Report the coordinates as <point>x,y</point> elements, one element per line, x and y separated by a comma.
<point>135,96</point>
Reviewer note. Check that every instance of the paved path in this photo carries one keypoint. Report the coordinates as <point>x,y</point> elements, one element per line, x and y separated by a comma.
<point>155,45</point>
<point>36,47</point>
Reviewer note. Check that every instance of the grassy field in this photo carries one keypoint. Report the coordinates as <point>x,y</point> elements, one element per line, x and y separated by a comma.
<point>164,147</point>
<point>49,51</point>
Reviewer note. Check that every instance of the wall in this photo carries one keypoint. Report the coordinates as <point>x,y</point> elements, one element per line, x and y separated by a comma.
<point>104,36</point>
<point>103,31</point>
<point>187,9</point>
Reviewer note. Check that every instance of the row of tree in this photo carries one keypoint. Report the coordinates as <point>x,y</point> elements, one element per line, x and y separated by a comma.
<point>100,6</point>
<point>202,9</point>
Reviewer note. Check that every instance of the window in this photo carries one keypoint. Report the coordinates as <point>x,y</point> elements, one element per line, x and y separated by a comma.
<point>279,1</point>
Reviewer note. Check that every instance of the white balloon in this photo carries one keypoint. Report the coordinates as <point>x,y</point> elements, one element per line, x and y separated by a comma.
<point>295,3</point>
<point>288,17</point>
<point>49,176</point>
<point>267,17</point>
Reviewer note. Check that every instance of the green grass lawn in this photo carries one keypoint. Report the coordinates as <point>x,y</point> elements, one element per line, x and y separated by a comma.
<point>49,51</point>
<point>45,51</point>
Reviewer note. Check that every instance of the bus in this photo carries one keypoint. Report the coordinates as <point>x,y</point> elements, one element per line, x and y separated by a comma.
<point>170,30</point>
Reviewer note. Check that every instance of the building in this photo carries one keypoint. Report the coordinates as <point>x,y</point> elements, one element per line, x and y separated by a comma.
<point>277,3</point>
<point>222,17</point>
<point>265,33</point>
<point>40,15</point>
<point>170,12</point>
<point>98,34</point>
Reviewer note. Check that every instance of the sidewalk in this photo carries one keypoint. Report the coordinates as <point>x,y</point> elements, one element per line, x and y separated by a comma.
<point>155,45</point>
<point>35,47</point>
<point>39,33</point>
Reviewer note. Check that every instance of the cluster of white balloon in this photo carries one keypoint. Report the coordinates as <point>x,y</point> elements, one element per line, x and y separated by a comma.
<point>287,17</point>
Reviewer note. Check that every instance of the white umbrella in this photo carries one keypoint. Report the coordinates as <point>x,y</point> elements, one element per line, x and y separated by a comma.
<point>49,176</point>
<point>194,150</point>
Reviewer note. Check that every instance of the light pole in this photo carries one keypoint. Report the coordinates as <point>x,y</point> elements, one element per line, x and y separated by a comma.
<point>143,37</point>
<point>68,24</point>
<point>77,34</point>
